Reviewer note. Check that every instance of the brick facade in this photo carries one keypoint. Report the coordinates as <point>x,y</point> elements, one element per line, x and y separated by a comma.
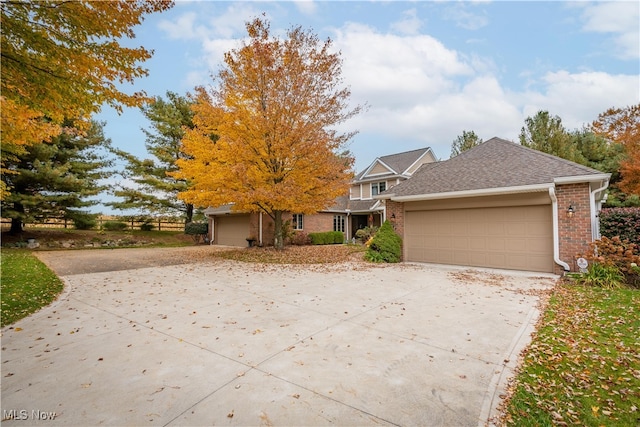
<point>574,232</point>
<point>312,223</point>
<point>395,215</point>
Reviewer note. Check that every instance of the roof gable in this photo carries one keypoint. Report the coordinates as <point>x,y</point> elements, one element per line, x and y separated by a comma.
<point>396,164</point>
<point>496,163</point>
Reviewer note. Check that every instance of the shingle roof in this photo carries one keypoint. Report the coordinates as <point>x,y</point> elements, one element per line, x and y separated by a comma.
<point>496,163</point>
<point>343,203</point>
<point>399,162</point>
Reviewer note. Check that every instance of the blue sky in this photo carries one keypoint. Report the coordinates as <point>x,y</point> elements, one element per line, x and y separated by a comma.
<point>427,70</point>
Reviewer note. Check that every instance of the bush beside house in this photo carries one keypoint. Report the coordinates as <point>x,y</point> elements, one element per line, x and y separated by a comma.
<point>197,230</point>
<point>386,245</point>
<point>621,222</point>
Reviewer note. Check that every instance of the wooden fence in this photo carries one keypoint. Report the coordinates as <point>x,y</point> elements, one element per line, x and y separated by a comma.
<point>160,225</point>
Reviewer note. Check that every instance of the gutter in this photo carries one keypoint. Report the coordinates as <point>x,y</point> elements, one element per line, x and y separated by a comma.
<point>595,225</point>
<point>468,193</point>
<point>556,239</point>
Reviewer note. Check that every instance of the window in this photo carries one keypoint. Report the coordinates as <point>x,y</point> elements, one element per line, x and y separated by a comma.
<point>338,223</point>
<point>297,221</point>
<point>378,187</point>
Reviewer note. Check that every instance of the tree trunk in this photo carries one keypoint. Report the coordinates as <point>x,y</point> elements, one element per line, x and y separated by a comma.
<point>189,213</point>
<point>16,223</point>
<point>278,240</point>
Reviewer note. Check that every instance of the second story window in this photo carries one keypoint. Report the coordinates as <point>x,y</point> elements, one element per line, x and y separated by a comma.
<point>378,187</point>
<point>297,221</point>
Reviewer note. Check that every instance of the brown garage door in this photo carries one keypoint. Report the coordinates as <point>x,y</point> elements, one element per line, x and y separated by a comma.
<point>232,230</point>
<point>516,238</point>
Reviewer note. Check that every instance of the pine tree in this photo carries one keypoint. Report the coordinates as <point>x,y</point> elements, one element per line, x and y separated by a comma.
<point>56,179</point>
<point>154,190</point>
<point>464,142</point>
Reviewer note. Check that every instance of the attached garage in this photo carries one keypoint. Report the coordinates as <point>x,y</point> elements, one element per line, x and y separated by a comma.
<point>231,230</point>
<point>498,205</point>
<point>513,237</point>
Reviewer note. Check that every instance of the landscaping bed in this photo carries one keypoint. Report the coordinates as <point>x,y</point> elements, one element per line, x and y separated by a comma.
<point>44,239</point>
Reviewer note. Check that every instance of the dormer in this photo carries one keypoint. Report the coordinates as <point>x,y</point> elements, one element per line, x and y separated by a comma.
<point>387,171</point>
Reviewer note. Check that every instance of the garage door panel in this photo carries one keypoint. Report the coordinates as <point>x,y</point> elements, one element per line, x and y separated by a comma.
<point>232,230</point>
<point>517,237</point>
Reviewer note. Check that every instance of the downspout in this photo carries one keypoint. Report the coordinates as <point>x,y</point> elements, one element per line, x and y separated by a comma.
<point>260,229</point>
<point>556,238</point>
<point>595,225</point>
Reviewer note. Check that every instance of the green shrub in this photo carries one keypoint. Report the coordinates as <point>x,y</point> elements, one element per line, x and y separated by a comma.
<point>602,276</point>
<point>621,222</point>
<point>198,230</point>
<point>85,222</point>
<point>146,226</point>
<point>327,238</point>
<point>115,226</point>
<point>386,245</point>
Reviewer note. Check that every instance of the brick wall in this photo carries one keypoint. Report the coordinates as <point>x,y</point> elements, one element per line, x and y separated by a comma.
<point>318,223</point>
<point>311,224</point>
<point>574,232</point>
<point>268,228</point>
<point>396,209</point>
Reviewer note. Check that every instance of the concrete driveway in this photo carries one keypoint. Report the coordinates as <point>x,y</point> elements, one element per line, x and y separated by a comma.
<point>226,343</point>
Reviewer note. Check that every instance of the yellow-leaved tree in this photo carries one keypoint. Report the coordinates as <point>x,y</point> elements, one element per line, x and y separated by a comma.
<point>266,138</point>
<point>63,60</point>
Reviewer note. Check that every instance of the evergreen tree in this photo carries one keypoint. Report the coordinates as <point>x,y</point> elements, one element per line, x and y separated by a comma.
<point>546,133</point>
<point>464,142</point>
<point>155,190</point>
<point>56,179</point>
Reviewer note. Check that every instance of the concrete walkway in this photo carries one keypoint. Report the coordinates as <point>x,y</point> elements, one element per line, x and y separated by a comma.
<point>225,343</point>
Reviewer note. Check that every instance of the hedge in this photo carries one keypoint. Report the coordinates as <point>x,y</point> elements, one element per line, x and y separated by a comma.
<point>327,238</point>
<point>622,222</point>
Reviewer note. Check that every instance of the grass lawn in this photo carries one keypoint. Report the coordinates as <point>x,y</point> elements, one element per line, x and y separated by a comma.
<point>26,285</point>
<point>583,365</point>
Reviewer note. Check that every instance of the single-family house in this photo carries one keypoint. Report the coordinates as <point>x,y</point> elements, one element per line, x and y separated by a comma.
<point>353,211</point>
<point>498,205</point>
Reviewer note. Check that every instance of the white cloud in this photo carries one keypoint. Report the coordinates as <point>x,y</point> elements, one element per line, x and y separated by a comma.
<point>423,93</point>
<point>396,70</point>
<point>307,7</point>
<point>182,28</point>
<point>232,22</point>
<point>464,17</point>
<point>409,24</point>
<point>578,98</point>
<point>621,19</point>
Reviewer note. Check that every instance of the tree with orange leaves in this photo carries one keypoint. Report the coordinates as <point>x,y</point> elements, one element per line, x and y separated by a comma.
<point>622,125</point>
<point>63,60</point>
<point>274,113</point>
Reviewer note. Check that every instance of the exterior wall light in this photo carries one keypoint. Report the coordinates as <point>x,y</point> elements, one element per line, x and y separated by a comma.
<point>393,216</point>
<point>570,211</point>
